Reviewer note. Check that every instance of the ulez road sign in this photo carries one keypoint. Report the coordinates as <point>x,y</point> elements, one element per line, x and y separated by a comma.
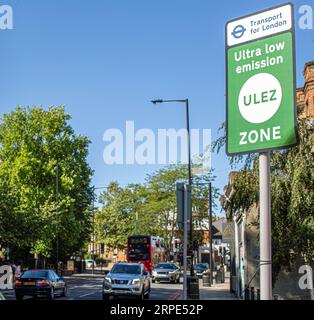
<point>261,100</point>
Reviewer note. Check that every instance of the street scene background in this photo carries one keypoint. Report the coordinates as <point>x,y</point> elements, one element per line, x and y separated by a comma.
<point>87,160</point>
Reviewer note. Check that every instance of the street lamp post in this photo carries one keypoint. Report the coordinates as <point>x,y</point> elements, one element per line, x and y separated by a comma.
<point>57,200</point>
<point>210,229</point>
<point>93,230</point>
<point>186,101</point>
<point>210,209</point>
<point>93,243</point>
<point>135,193</point>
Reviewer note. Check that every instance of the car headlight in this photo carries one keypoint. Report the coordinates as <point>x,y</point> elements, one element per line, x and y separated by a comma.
<point>136,281</point>
<point>109,280</point>
<point>154,273</point>
<point>172,272</point>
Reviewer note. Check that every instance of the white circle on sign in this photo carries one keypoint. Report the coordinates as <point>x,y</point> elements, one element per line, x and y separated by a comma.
<point>260,98</point>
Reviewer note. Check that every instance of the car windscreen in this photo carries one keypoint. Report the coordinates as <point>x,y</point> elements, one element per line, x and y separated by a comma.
<point>166,266</point>
<point>128,269</point>
<point>201,266</point>
<point>36,274</point>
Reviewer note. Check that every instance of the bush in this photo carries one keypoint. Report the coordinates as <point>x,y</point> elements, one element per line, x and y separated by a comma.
<point>101,261</point>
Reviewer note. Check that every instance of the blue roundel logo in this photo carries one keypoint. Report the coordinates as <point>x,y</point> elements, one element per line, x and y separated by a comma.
<point>238,31</point>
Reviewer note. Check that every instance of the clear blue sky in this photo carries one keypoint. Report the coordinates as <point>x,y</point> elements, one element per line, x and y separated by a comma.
<point>105,60</point>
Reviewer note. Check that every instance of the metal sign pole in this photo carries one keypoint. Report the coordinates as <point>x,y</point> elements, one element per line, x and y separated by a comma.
<point>248,120</point>
<point>185,241</point>
<point>265,227</point>
<point>210,209</point>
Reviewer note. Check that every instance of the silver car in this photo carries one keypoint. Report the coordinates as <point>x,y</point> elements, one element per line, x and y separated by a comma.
<point>127,279</point>
<point>166,271</point>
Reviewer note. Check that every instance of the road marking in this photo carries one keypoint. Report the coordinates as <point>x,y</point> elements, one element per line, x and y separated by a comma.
<point>87,294</point>
<point>175,296</point>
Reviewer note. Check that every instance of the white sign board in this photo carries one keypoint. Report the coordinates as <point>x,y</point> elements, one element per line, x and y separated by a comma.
<point>260,25</point>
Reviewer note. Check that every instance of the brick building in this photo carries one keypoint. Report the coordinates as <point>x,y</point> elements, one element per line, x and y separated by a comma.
<point>305,95</point>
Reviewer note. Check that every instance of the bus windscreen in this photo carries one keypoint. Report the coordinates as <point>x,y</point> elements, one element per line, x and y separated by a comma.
<point>139,248</point>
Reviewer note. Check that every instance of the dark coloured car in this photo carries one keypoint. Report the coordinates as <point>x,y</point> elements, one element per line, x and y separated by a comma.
<point>201,269</point>
<point>40,283</point>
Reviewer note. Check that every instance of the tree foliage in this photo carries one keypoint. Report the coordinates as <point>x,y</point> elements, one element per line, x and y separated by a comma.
<point>292,196</point>
<point>154,202</point>
<point>32,142</point>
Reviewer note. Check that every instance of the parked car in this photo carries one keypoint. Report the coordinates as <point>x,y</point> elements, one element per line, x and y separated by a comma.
<point>90,263</point>
<point>201,269</point>
<point>37,283</point>
<point>127,279</point>
<point>169,272</point>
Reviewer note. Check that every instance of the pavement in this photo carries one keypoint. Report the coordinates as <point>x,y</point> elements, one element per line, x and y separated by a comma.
<point>218,291</point>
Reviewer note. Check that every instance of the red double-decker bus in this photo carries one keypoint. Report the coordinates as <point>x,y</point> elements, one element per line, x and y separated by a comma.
<point>148,250</point>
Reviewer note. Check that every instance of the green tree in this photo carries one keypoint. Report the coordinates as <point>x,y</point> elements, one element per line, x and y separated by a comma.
<point>162,204</point>
<point>33,141</point>
<point>115,220</point>
<point>154,203</point>
<point>292,190</point>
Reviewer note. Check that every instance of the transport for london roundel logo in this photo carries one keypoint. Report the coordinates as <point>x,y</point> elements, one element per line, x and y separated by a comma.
<point>260,98</point>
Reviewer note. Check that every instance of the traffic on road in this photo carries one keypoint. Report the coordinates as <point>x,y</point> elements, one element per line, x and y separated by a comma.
<point>91,287</point>
<point>145,275</point>
<point>127,279</point>
<point>38,283</point>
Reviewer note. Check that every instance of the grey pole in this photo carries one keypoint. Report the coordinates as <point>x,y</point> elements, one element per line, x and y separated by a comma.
<point>190,183</point>
<point>136,213</point>
<point>93,231</point>
<point>136,222</point>
<point>57,200</point>
<point>210,209</point>
<point>186,101</point>
<point>94,195</point>
<point>265,228</point>
<point>188,139</point>
<point>185,241</point>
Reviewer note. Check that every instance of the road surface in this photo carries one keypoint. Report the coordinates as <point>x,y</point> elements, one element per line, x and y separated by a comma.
<point>88,288</point>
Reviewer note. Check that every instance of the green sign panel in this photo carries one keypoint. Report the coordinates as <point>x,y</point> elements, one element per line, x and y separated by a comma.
<point>261,98</point>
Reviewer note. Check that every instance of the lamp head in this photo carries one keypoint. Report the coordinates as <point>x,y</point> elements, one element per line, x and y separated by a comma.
<point>157,101</point>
